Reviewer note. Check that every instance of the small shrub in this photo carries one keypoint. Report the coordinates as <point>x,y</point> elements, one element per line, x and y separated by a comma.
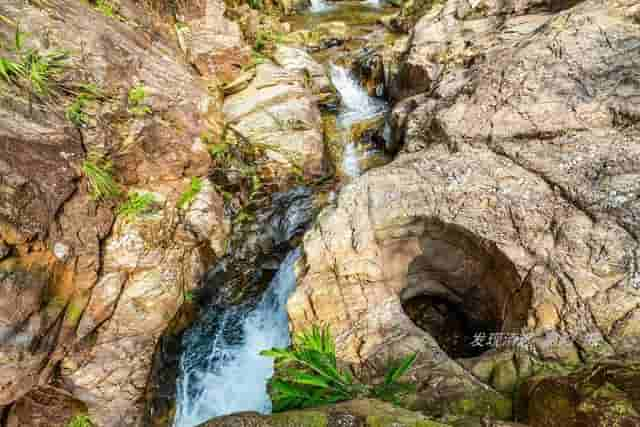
<point>80,421</point>
<point>136,97</point>
<point>187,197</point>
<point>101,182</point>
<point>310,376</point>
<point>136,204</point>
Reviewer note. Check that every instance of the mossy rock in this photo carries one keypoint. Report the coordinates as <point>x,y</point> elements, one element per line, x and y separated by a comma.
<point>604,395</point>
<point>356,413</point>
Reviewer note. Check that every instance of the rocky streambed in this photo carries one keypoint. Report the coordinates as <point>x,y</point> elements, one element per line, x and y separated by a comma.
<point>185,184</point>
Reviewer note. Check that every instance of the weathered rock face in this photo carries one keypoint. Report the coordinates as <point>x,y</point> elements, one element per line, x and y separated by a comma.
<point>211,42</point>
<point>356,413</point>
<point>68,293</point>
<point>45,407</point>
<point>150,264</point>
<point>606,395</point>
<point>519,165</point>
<point>277,112</point>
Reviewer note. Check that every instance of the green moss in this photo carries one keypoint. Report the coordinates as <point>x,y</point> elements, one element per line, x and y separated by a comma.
<point>391,421</point>
<point>74,312</point>
<point>302,419</point>
<point>494,404</point>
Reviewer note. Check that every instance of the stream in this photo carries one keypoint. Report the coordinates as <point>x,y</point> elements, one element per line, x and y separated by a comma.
<point>220,369</point>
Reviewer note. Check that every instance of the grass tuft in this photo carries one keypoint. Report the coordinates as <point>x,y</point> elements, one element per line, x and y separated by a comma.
<point>136,204</point>
<point>101,183</point>
<point>32,69</point>
<point>187,197</point>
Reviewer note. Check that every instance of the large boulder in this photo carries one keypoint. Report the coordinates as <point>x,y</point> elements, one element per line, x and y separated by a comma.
<point>278,113</point>
<point>517,169</point>
<point>607,394</point>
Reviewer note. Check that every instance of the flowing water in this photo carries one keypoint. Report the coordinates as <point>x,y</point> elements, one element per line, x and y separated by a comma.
<point>318,6</point>
<point>221,369</point>
<point>356,106</point>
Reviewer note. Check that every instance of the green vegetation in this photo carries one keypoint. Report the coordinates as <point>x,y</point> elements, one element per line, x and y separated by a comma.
<point>255,4</point>
<point>75,112</point>
<point>86,93</point>
<point>101,182</point>
<point>187,197</point>
<point>188,296</point>
<point>136,97</point>
<point>136,204</point>
<point>105,7</point>
<point>80,421</point>
<point>308,374</point>
<point>32,69</point>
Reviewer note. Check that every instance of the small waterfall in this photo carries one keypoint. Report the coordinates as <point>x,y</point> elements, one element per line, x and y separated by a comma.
<point>319,6</point>
<point>356,106</point>
<point>221,370</point>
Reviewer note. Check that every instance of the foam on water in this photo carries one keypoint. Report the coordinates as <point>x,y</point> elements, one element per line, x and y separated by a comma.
<point>355,106</point>
<point>221,370</point>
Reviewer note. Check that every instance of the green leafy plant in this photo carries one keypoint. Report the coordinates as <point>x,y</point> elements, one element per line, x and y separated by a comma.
<point>391,388</point>
<point>136,204</point>
<point>187,197</point>
<point>80,421</point>
<point>101,182</point>
<point>309,374</point>
<point>136,98</point>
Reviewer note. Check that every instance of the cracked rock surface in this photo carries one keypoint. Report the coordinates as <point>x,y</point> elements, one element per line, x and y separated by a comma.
<point>515,193</point>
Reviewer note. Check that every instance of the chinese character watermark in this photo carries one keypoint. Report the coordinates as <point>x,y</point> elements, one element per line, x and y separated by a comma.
<point>500,340</point>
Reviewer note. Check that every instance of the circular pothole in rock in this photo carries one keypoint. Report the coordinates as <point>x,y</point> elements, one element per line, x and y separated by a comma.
<point>447,322</point>
<point>463,291</point>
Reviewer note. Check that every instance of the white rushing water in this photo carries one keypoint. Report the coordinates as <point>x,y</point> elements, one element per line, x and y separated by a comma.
<point>221,370</point>
<point>355,106</point>
<point>319,6</point>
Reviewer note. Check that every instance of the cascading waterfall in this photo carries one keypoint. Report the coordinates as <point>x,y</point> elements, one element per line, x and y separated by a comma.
<point>319,6</point>
<point>221,370</point>
<point>356,106</point>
